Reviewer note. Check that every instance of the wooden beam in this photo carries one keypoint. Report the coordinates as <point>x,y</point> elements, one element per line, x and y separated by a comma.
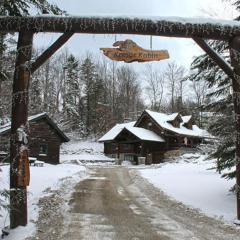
<point>160,26</point>
<point>235,61</point>
<point>51,50</point>
<point>225,66</point>
<point>19,126</point>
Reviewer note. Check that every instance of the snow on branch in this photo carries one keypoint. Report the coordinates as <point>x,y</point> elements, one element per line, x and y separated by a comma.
<point>158,26</point>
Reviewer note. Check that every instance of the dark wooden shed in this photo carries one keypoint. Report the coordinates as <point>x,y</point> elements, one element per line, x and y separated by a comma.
<point>45,138</point>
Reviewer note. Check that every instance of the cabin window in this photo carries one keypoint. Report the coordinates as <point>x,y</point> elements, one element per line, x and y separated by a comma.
<point>128,157</point>
<point>43,149</point>
<point>127,146</point>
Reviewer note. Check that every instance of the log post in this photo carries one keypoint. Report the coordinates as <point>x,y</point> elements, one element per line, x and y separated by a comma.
<point>235,61</point>
<point>19,125</point>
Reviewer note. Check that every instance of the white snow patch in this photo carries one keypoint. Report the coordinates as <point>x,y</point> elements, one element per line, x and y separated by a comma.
<point>135,209</point>
<point>154,19</point>
<point>79,152</point>
<point>193,184</point>
<point>41,179</point>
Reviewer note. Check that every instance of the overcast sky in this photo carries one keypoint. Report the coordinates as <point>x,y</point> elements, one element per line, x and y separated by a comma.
<point>181,50</point>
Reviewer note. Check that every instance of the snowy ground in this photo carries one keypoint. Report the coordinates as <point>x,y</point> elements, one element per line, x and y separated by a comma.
<point>73,154</point>
<point>42,178</point>
<point>84,152</point>
<point>189,181</point>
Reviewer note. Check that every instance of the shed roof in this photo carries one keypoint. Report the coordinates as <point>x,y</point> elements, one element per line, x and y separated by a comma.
<point>113,132</point>
<point>141,133</point>
<point>7,127</point>
<point>145,134</point>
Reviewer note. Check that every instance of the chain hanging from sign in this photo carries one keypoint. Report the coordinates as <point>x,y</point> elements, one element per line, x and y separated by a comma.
<point>128,51</point>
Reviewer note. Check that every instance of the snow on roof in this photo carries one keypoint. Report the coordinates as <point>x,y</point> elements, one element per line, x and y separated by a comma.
<point>7,126</point>
<point>140,133</point>
<point>186,119</point>
<point>145,134</point>
<point>113,132</point>
<point>172,116</point>
<point>162,119</point>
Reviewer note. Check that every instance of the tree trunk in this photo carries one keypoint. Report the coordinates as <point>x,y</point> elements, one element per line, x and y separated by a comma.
<point>20,98</point>
<point>235,60</point>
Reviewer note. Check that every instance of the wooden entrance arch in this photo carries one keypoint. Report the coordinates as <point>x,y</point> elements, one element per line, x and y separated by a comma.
<point>197,29</point>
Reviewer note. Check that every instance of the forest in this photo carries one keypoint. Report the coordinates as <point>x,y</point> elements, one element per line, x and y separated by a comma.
<point>86,95</point>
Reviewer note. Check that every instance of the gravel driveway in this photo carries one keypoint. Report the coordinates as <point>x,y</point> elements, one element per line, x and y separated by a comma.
<point>115,203</point>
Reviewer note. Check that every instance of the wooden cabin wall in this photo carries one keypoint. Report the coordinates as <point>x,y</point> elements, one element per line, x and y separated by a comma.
<point>41,133</point>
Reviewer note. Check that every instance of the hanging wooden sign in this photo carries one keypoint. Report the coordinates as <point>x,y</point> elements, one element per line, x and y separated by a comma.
<point>23,177</point>
<point>128,51</point>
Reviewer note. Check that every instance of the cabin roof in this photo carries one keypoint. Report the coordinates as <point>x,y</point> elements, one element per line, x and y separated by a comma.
<point>186,119</point>
<point>144,134</point>
<point>171,117</point>
<point>163,119</point>
<point>7,127</point>
<point>141,133</point>
<point>113,132</point>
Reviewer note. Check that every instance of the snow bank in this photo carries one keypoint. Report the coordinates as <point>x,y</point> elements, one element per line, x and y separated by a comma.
<point>41,179</point>
<point>189,182</point>
<point>83,152</point>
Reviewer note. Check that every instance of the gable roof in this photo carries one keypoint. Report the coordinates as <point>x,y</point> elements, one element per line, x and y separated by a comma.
<point>113,132</point>
<point>144,134</point>
<point>163,119</point>
<point>186,119</point>
<point>172,117</point>
<point>141,133</point>
<point>7,127</point>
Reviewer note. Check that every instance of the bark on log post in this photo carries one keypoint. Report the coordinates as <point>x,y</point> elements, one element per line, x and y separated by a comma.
<point>235,60</point>
<point>20,98</point>
<point>161,26</point>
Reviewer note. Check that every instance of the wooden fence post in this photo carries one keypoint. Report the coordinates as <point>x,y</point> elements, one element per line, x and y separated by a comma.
<point>19,126</point>
<point>235,61</point>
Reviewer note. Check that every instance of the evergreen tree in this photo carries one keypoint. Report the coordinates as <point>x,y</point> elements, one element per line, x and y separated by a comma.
<point>89,78</point>
<point>23,7</point>
<point>72,95</point>
<point>222,125</point>
<point>15,8</point>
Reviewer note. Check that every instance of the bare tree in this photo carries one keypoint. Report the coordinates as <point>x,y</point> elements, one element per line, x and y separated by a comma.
<point>155,87</point>
<point>200,93</point>
<point>174,74</point>
<point>128,91</point>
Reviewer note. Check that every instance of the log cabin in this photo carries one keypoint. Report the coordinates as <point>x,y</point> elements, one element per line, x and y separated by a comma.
<point>151,136</point>
<point>45,139</point>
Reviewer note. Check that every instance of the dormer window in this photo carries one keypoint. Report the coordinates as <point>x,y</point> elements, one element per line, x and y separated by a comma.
<point>188,122</point>
<point>175,120</point>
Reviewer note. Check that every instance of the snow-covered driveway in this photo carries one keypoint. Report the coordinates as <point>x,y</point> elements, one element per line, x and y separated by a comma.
<point>116,203</point>
<point>191,180</point>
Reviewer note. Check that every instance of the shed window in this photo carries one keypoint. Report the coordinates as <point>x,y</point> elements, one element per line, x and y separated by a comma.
<point>43,149</point>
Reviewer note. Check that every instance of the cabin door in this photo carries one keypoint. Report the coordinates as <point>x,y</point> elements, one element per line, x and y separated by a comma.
<point>149,159</point>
